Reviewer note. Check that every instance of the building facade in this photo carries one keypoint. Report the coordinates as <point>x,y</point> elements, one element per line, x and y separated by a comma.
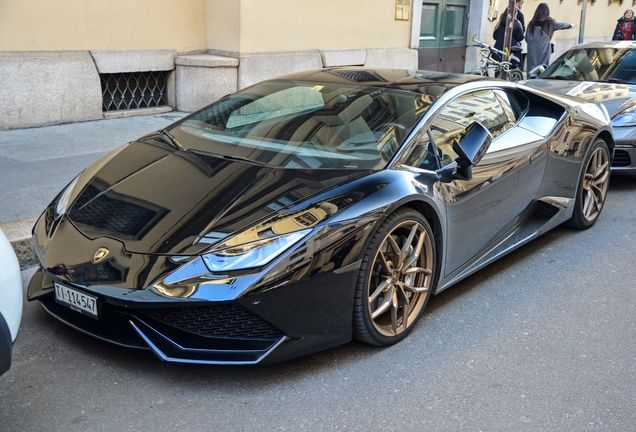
<point>72,60</point>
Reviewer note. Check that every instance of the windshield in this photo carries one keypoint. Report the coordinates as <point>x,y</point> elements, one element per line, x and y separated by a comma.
<point>306,125</point>
<point>595,64</point>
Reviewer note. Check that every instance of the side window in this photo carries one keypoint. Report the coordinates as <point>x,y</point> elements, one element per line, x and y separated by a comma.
<point>423,155</point>
<point>514,104</point>
<point>482,106</point>
<point>444,135</point>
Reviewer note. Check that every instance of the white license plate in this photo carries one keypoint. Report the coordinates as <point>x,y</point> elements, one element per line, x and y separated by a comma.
<point>78,301</point>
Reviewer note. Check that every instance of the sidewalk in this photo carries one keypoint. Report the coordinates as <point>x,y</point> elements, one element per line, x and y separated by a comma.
<point>36,163</point>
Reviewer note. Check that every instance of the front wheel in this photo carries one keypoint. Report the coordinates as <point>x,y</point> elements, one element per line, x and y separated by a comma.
<point>395,279</point>
<point>515,75</point>
<point>592,188</point>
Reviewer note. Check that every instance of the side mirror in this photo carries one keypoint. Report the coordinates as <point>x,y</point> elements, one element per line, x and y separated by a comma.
<point>472,146</point>
<point>534,73</point>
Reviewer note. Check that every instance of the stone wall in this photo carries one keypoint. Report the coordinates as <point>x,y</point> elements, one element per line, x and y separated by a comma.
<point>45,88</point>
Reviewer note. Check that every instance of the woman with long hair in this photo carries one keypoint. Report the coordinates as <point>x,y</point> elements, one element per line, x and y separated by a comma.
<point>539,36</point>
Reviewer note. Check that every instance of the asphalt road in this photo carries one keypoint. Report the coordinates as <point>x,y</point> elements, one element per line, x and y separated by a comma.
<point>543,339</point>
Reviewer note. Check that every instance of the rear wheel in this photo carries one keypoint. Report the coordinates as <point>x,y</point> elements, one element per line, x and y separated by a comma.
<point>395,279</point>
<point>592,189</point>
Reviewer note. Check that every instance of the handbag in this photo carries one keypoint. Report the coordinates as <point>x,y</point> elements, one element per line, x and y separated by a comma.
<point>551,44</point>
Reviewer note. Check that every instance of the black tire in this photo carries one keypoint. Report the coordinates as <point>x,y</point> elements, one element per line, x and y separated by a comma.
<point>592,188</point>
<point>392,289</point>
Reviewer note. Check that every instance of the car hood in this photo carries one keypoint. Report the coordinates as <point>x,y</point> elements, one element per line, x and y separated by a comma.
<point>616,97</point>
<point>156,199</point>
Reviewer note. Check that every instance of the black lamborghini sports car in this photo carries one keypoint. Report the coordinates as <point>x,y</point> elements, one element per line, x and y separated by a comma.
<point>306,210</point>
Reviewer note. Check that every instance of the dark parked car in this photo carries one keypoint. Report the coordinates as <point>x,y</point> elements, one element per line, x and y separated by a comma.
<point>299,212</point>
<point>602,72</point>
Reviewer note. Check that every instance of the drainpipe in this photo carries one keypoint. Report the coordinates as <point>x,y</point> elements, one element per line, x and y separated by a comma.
<point>511,15</point>
<point>582,24</point>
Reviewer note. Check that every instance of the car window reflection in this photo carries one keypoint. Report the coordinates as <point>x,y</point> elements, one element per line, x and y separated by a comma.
<point>302,125</point>
<point>482,106</point>
<point>595,64</point>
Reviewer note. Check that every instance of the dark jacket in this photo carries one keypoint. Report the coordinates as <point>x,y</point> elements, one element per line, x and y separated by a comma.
<point>521,19</point>
<point>625,30</point>
<point>515,42</point>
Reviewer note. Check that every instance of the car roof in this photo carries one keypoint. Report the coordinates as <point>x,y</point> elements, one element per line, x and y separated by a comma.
<point>606,44</point>
<point>403,79</point>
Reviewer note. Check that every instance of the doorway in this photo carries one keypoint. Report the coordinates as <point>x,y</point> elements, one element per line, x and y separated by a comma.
<point>443,31</point>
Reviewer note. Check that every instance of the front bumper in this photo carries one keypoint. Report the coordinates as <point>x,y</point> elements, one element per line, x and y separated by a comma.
<point>625,151</point>
<point>300,304</point>
<point>228,333</point>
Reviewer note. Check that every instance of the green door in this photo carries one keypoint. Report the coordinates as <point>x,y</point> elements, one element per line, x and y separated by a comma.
<point>443,31</point>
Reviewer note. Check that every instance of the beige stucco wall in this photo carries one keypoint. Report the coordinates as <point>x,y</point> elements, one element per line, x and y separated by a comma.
<point>55,25</point>
<point>223,21</point>
<point>189,25</point>
<point>274,25</point>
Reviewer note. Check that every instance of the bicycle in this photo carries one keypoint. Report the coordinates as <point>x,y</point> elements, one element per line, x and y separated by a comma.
<point>492,68</point>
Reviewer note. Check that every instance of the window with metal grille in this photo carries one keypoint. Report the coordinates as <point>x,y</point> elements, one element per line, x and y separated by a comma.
<point>360,76</point>
<point>133,90</point>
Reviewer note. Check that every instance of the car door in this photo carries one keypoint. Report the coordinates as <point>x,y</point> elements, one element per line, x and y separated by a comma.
<point>488,205</point>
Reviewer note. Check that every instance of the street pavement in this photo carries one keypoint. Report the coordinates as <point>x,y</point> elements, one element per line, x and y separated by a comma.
<point>543,339</point>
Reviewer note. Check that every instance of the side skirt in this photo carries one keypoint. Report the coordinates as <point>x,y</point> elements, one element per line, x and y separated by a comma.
<point>519,235</point>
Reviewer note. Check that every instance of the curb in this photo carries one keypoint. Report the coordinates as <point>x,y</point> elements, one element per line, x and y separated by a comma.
<point>19,234</point>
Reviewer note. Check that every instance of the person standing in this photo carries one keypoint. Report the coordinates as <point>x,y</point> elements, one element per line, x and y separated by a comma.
<point>500,31</point>
<point>520,17</point>
<point>625,27</point>
<point>539,34</point>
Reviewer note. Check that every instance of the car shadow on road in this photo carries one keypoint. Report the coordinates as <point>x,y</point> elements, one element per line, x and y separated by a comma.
<point>622,183</point>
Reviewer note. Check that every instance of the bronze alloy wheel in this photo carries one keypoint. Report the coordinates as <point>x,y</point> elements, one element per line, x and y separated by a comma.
<point>590,197</point>
<point>395,289</point>
<point>595,182</point>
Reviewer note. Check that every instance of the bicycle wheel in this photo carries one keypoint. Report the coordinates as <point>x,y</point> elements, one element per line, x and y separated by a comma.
<point>515,75</point>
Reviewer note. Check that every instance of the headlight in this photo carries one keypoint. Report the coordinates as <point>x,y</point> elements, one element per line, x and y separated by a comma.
<point>187,279</point>
<point>252,254</point>
<point>62,202</point>
<point>625,118</point>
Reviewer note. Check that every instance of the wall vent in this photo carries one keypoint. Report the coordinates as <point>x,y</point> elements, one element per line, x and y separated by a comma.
<point>133,90</point>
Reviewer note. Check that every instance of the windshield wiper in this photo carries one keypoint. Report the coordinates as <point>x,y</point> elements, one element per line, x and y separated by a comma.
<point>231,157</point>
<point>617,80</point>
<point>240,159</point>
<point>560,77</point>
<point>170,139</point>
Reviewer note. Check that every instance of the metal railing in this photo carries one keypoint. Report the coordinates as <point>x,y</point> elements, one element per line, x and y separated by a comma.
<point>133,90</point>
